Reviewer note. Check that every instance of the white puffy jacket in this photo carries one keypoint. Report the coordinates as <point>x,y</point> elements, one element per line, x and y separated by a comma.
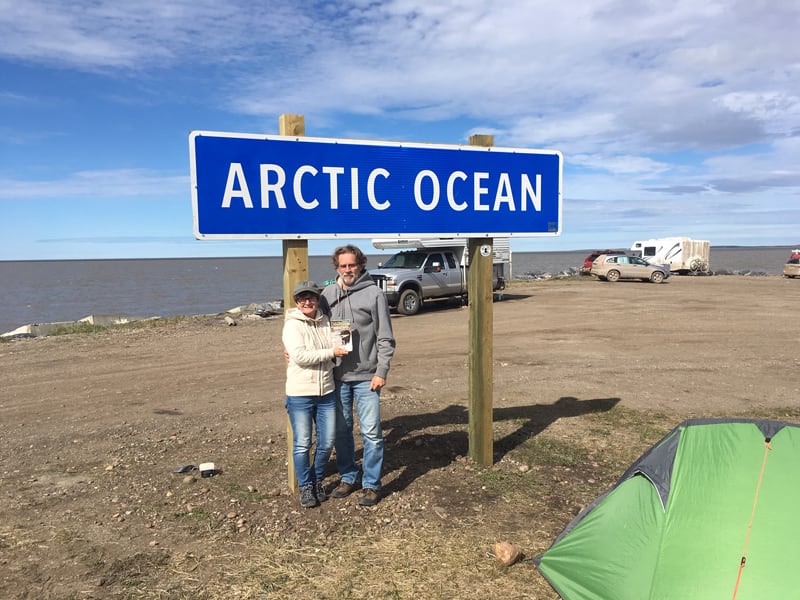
<point>308,342</point>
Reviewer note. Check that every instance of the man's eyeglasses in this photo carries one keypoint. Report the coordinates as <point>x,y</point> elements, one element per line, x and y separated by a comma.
<point>350,266</point>
<point>301,299</point>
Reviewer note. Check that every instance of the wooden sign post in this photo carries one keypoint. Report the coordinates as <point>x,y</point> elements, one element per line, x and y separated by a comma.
<point>480,252</point>
<point>295,270</point>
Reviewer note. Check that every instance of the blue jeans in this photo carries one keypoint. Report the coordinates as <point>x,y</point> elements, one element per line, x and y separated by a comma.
<point>368,408</point>
<point>304,412</point>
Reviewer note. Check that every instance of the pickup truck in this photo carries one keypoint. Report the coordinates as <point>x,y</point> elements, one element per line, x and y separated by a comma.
<point>431,270</point>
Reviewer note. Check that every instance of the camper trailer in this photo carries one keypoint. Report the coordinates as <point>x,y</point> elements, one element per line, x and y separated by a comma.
<point>432,269</point>
<point>682,254</point>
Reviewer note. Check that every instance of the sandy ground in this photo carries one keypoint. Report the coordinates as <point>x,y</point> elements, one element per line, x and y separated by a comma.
<point>92,424</point>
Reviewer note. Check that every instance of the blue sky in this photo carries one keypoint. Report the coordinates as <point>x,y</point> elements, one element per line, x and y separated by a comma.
<point>677,118</point>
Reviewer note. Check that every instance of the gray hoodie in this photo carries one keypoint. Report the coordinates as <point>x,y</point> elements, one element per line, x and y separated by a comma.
<point>364,306</point>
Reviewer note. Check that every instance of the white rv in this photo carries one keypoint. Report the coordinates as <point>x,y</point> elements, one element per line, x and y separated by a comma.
<point>682,254</point>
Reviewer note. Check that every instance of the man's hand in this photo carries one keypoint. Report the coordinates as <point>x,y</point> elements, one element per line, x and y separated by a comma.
<point>376,383</point>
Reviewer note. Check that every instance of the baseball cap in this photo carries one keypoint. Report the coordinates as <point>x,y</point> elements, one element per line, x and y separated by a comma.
<point>306,286</point>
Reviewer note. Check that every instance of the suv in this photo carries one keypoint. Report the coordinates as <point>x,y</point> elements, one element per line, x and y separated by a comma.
<point>613,267</point>
<point>586,269</point>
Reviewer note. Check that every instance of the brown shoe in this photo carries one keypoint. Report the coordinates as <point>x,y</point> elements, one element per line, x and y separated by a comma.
<point>370,497</point>
<point>343,490</point>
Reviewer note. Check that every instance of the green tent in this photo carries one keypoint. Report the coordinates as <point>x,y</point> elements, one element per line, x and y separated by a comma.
<point>711,511</point>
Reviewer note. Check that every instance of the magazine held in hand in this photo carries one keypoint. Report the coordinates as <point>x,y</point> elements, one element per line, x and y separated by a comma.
<point>342,335</point>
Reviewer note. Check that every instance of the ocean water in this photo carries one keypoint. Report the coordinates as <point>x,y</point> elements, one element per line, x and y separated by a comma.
<point>68,290</point>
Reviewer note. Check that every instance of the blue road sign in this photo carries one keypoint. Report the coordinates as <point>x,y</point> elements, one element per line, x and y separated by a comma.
<point>247,186</point>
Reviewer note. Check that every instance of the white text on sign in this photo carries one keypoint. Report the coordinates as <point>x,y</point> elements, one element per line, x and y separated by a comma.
<point>427,189</point>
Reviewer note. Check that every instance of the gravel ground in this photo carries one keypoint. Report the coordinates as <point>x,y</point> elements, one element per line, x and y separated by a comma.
<point>93,426</point>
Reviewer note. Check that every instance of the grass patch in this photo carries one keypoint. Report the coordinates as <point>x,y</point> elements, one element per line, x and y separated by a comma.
<point>644,427</point>
<point>137,569</point>
<point>155,323</point>
<point>790,414</point>
<point>512,485</point>
<point>195,516</point>
<point>542,450</point>
<point>67,536</point>
<point>409,564</point>
<point>77,327</point>
<point>83,327</point>
<point>238,491</point>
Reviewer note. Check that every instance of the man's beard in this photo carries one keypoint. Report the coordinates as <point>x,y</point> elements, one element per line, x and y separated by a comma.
<point>349,280</point>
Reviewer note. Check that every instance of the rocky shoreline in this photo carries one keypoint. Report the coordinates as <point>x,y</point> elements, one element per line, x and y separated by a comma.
<point>271,309</point>
<point>251,311</point>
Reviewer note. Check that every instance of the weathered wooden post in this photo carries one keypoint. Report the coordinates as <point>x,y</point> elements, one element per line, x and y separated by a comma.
<point>295,269</point>
<point>480,252</point>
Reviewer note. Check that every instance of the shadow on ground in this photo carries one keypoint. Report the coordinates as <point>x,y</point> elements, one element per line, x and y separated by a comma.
<point>409,448</point>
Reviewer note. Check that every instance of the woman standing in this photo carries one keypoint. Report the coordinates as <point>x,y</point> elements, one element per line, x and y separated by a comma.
<point>310,390</point>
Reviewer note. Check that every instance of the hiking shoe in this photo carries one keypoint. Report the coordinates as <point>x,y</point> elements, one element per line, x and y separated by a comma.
<point>307,497</point>
<point>343,490</point>
<point>370,497</point>
<point>319,490</point>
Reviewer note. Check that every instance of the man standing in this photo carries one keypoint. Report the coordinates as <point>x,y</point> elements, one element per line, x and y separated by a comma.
<point>356,302</point>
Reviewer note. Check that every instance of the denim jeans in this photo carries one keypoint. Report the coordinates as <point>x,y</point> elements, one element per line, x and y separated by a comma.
<point>367,406</point>
<point>304,413</point>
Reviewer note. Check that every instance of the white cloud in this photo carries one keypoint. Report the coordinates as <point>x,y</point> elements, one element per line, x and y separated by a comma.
<point>87,34</point>
<point>778,110</point>
<point>117,183</point>
<point>663,74</point>
<point>635,166</point>
<point>661,109</point>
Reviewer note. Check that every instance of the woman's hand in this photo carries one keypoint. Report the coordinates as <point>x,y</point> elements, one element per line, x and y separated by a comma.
<point>339,351</point>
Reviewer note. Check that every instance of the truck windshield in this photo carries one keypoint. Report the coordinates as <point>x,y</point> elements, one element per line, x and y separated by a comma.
<point>406,260</point>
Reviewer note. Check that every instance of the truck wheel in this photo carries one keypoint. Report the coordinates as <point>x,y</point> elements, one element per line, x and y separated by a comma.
<point>612,276</point>
<point>409,303</point>
<point>656,277</point>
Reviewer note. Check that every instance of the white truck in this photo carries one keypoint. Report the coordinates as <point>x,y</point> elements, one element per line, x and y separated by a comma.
<point>432,269</point>
<point>682,254</point>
